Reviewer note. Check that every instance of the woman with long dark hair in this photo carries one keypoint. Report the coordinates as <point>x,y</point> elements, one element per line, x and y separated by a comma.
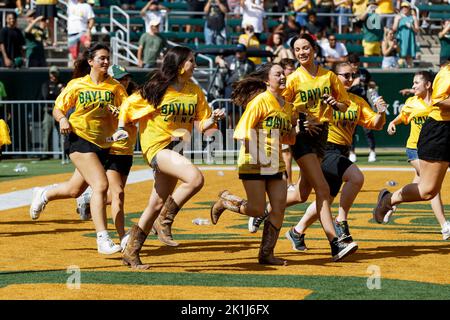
<point>166,107</point>
<point>265,124</point>
<point>94,97</point>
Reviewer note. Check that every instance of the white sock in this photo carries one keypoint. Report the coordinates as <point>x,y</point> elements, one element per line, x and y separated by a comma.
<point>102,235</point>
<point>297,230</point>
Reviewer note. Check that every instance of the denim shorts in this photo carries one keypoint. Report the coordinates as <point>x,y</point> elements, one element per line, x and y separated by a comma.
<point>411,154</point>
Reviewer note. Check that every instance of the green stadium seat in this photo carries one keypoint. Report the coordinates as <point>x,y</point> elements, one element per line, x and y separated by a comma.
<point>349,37</point>
<point>434,7</point>
<point>439,15</point>
<point>171,35</point>
<point>185,21</point>
<point>373,59</point>
<point>233,23</point>
<point>354,48</point>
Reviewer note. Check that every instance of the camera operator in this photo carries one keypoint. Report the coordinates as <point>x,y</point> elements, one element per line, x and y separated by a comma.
<point>215,28</point>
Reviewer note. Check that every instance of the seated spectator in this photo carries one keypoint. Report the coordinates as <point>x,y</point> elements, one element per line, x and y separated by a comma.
<point>47,9</point>
<point>406,25</point>
<point>11,43</point>
<point>334,52</point>
<point>152,11</point>
<point>151,46</point>
<point>34,40</point>
<point>343,7</point>
<point>250,40</point>
<point>372,31</point>
<point>128,4</point>
<point>253,14</point>
<point>313,25</point>
<point>389,47</point>
<point>215,28</point>
<point>279,50</point>
<point>301,7</point>
<point>444,39</point>
<point>80,21</point>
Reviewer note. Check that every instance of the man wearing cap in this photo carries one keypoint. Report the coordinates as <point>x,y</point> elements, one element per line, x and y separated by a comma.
<point>34,40</point>
<point>50,89</point>
<point>152,11</point>
<point>372,31</point>
<point>123,76</point>
<point>150,46</point>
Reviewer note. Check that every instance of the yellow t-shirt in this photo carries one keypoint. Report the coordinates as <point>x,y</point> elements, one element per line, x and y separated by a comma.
<point>359,7</point>
<point>341,129</point>
<point>92,120</point>
<point>385,6</point>
<point>174,117</point>
<point>306,91</point>
<point>441,91</point>
<point>297,4</point>
<point>254,43</point>
<point>262,115</point>
<point>415,111</point>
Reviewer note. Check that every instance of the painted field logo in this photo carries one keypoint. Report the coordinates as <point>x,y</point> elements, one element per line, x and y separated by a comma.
<point>374,280</point>
<point>74,280</point>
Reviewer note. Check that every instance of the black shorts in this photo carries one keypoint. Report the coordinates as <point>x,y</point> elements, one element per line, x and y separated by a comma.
<point>434,141</point>
<point>257,176</point>
<point>306,143</point>
<point>46,10</point>
<point>170,146</point>
<point>334,165</point>
<point>119,163</point>
<point>74,143</point>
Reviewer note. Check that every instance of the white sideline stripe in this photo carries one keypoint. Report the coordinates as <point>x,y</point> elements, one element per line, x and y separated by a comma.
<point>22,198</point>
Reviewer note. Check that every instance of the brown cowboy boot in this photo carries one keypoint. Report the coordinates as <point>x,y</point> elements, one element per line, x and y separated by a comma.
<point>226,201</point>
<point>163,224</point>
<point>268,242</point>
<point>134,245</point>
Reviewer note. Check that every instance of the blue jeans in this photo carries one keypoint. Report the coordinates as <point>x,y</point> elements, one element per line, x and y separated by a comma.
<point>215,37</point>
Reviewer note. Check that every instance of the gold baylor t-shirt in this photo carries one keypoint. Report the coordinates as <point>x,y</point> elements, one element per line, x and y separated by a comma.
<point>441,91</point>
<point>415,111</point>
<point>305,92</point>
<point>92,119</point>
<point>263,127</point>
<point>173,117</point>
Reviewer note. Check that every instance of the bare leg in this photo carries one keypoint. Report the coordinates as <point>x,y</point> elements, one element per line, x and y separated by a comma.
<point>256,198</point>
<point>354,180</point>
<point>69,189</point>
<point>116,189</point>
<point>276,190</point>
<point>287,157</point>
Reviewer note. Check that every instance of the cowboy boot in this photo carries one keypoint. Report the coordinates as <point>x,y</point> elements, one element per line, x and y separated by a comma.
<point>163,224</point>
<point>134,245</point>
<point>268,242</point>
<point>226,201</point>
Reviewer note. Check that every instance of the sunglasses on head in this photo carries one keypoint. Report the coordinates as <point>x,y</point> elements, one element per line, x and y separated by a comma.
<point>349,75</point>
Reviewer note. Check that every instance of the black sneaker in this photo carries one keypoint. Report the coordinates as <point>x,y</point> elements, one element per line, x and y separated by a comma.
<point>255,222</point>
<point>297,240</point>
<point>340,249</point>
<point>342,231</point>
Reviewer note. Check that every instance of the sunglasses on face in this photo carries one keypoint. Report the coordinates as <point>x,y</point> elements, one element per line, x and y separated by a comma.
<point>349,75</point>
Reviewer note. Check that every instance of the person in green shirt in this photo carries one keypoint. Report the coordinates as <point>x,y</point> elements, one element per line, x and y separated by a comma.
<point>150,46</point>
<point>372,31</point>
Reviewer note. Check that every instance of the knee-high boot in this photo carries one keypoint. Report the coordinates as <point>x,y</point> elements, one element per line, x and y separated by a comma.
<point>268,242</point>
<point>226,201</point>
<point>163,224</point>
<point>134,245</point>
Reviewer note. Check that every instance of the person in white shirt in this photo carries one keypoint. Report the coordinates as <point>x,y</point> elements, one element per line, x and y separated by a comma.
<point>253,14</point>
<point>153,11</point>
<point>80,21</point>
<point>334,51</point>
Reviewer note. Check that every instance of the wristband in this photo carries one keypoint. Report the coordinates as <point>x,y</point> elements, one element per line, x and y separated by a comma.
<point>63,117</point>
<point>120,128</point>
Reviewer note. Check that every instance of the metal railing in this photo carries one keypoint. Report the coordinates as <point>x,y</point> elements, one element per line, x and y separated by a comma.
<point>34,132</point>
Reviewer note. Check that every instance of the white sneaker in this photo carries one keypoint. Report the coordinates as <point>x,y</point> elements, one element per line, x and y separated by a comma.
<point>107,246</point>
<point>352,157</point>
<point>124,241</point>
<point>372,156</point>
<point>446,230</point>
<point>37,203</point>
<point>84,205</point>
<point>388,215</point>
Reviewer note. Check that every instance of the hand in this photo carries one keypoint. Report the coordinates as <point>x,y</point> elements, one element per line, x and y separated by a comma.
<point>120,134</point>
<point>391,130</point>
<point>218,114</point>
<point>64,126</point>
<point>114,110</point>
<point>381,105</point>
<point>405,92</point>
<point>140,63</point>
<point>330,101</point>
<point>8,62</point>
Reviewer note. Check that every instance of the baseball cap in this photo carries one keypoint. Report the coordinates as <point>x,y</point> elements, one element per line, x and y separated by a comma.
<point>241,47</point>
<point>118,72</point>
<point>53,69</point>
<point>155,22</point>
<point>405,4</point>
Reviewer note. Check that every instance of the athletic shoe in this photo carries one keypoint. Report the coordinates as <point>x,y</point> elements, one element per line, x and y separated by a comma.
<point>352,157</point>
<point>342,231</point>
<point>388,215</point>
<point>38,203</point>
<point>84,205</point>
<point>291,188</point>
<point>372,156</point>
<point>124,241</point>
<point>107,246</point>
<point>297,240</point>
<point>383,205</point>
<point>255,222</point>
<point>340,248</point>
<point>446,230</point>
